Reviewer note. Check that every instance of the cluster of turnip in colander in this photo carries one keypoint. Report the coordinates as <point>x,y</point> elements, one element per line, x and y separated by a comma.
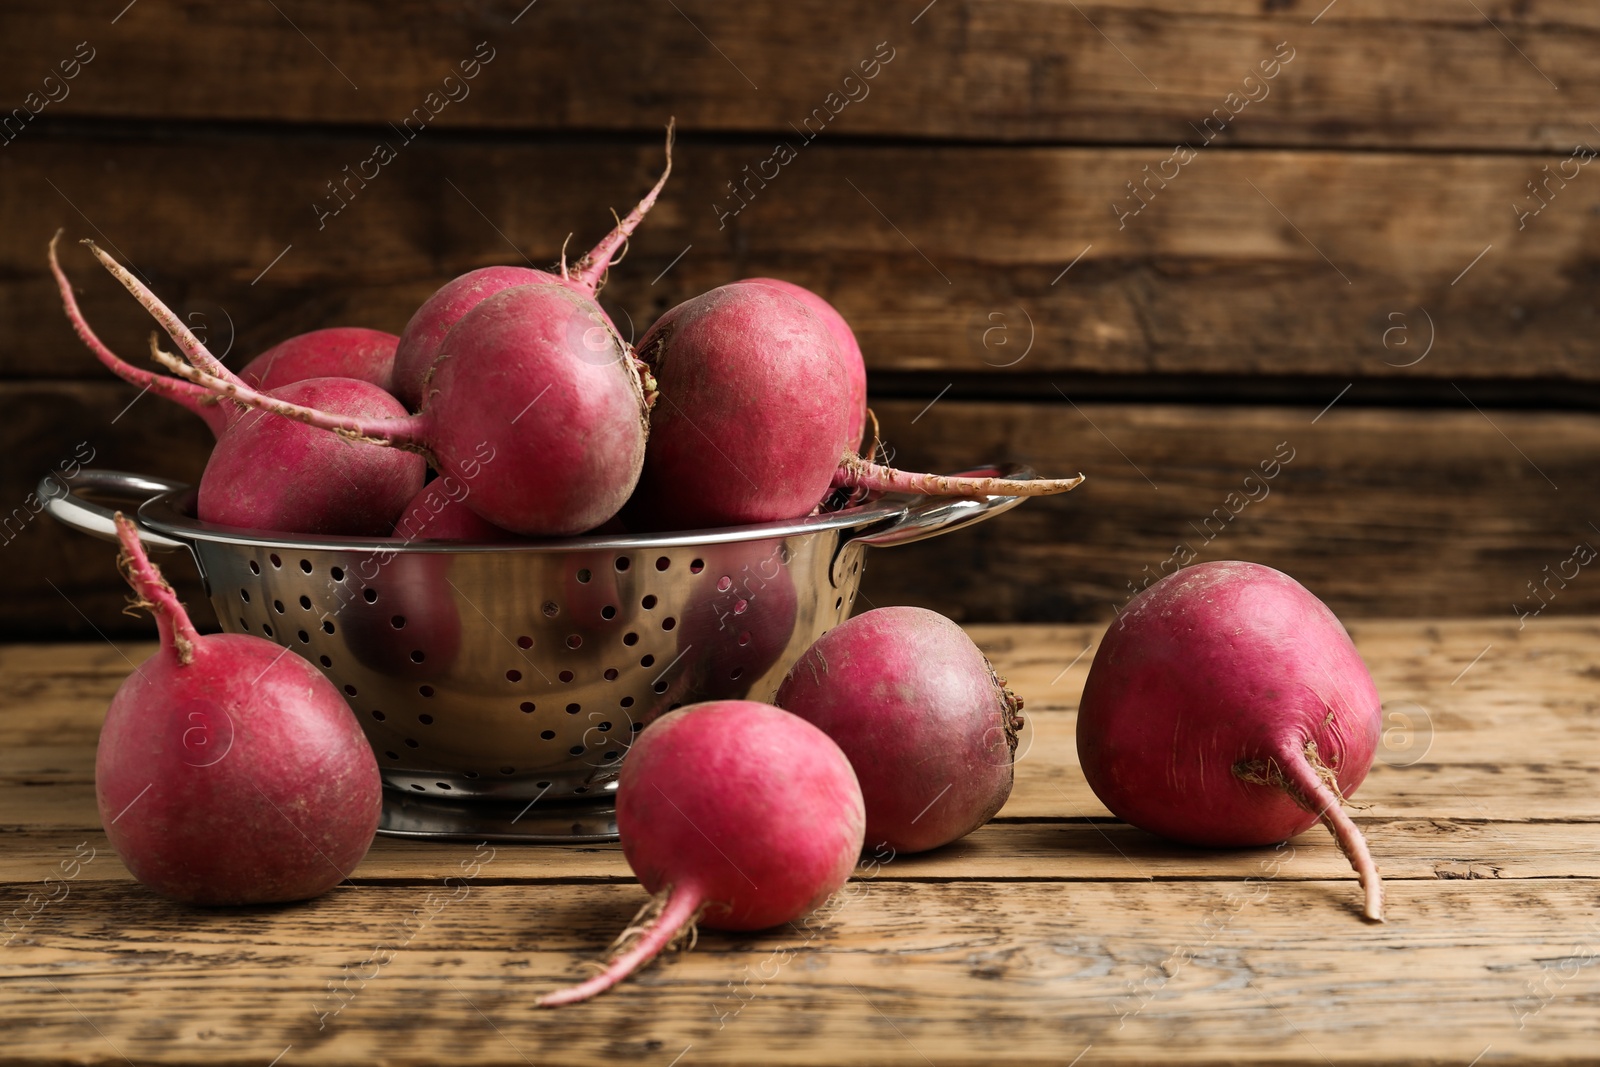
<point>742,405</point>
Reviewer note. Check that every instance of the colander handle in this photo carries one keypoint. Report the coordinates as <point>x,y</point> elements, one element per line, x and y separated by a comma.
<point>934,515</point>
<point>70,509</point>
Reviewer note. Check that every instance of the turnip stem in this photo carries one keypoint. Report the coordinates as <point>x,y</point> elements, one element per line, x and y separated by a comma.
<point>186,341</point>
<point>398,432</point>
<point>177,633</point>
<point>590,271</point>
<point>679,911</point>
<point>858,473</point>
<point>197,399</point>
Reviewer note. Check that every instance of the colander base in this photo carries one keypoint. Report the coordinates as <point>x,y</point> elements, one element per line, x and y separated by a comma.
<point>485,819</point>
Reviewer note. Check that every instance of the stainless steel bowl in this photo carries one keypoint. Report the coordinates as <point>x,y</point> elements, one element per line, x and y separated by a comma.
<point>501,684</point>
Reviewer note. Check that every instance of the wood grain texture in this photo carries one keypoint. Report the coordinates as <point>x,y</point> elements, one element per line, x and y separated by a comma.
<point>1003,851</point>
<point>1380,512</point>
<point>1075,937</point>
<point>904,973</point>
<point>1266,266</point>
<point>1447,75</point>
<point>1450,690</point>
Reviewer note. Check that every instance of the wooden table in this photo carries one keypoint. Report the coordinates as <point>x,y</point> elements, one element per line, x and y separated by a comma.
<point>1055,934</point>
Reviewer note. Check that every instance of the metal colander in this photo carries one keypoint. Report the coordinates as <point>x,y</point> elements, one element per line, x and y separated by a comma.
<point>501,685</point>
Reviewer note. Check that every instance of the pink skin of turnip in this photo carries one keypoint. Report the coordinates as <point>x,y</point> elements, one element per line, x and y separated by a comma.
<point>755,418</point>
<point>735,815</point>
<point>752,415</point>
<point>229,770</point>
<point>271,473</point>
<point>849,348</point>
<point>425,333</point>
<point>439,513</point>
<point>929,728</point>
<point>336,352</point>
<point>1227,707</point>
<point>420,341</point>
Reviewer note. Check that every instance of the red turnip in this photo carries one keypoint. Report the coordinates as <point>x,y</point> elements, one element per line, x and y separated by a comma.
<point>849,348</point>
<point>565,468</point>
<point>754,418</point>
<point>735,815</point>
<point>425,333</point>
<point>271,473</point>
<point>439,513</point>
<point>229,770</point>
<point>927,725</point>
<point>336,352</point>
<point>1228,707</point>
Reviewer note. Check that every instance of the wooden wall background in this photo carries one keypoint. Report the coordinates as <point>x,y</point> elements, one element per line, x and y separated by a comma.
<point>1354,238</point>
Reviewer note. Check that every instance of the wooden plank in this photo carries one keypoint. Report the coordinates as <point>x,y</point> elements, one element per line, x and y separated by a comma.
<point>1003,851</point>
<point>948,261</point>
<point>1434,74</point>
<point>1379,512</point>
<point>1526,700</point>
<point>899,973</point>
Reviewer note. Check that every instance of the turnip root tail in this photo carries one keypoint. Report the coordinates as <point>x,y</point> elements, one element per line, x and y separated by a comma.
<point>196,399</point>
<point>186,341</point>
<point>669,915</point>
<point>857,473</point>
<point>1305,778</point>
<point>406,433</point>
<point>1010,708</point>
<point>154,594</point>
<point>590,271</point>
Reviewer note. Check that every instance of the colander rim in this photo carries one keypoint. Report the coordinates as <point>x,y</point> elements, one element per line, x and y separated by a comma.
<point>165,514</point>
